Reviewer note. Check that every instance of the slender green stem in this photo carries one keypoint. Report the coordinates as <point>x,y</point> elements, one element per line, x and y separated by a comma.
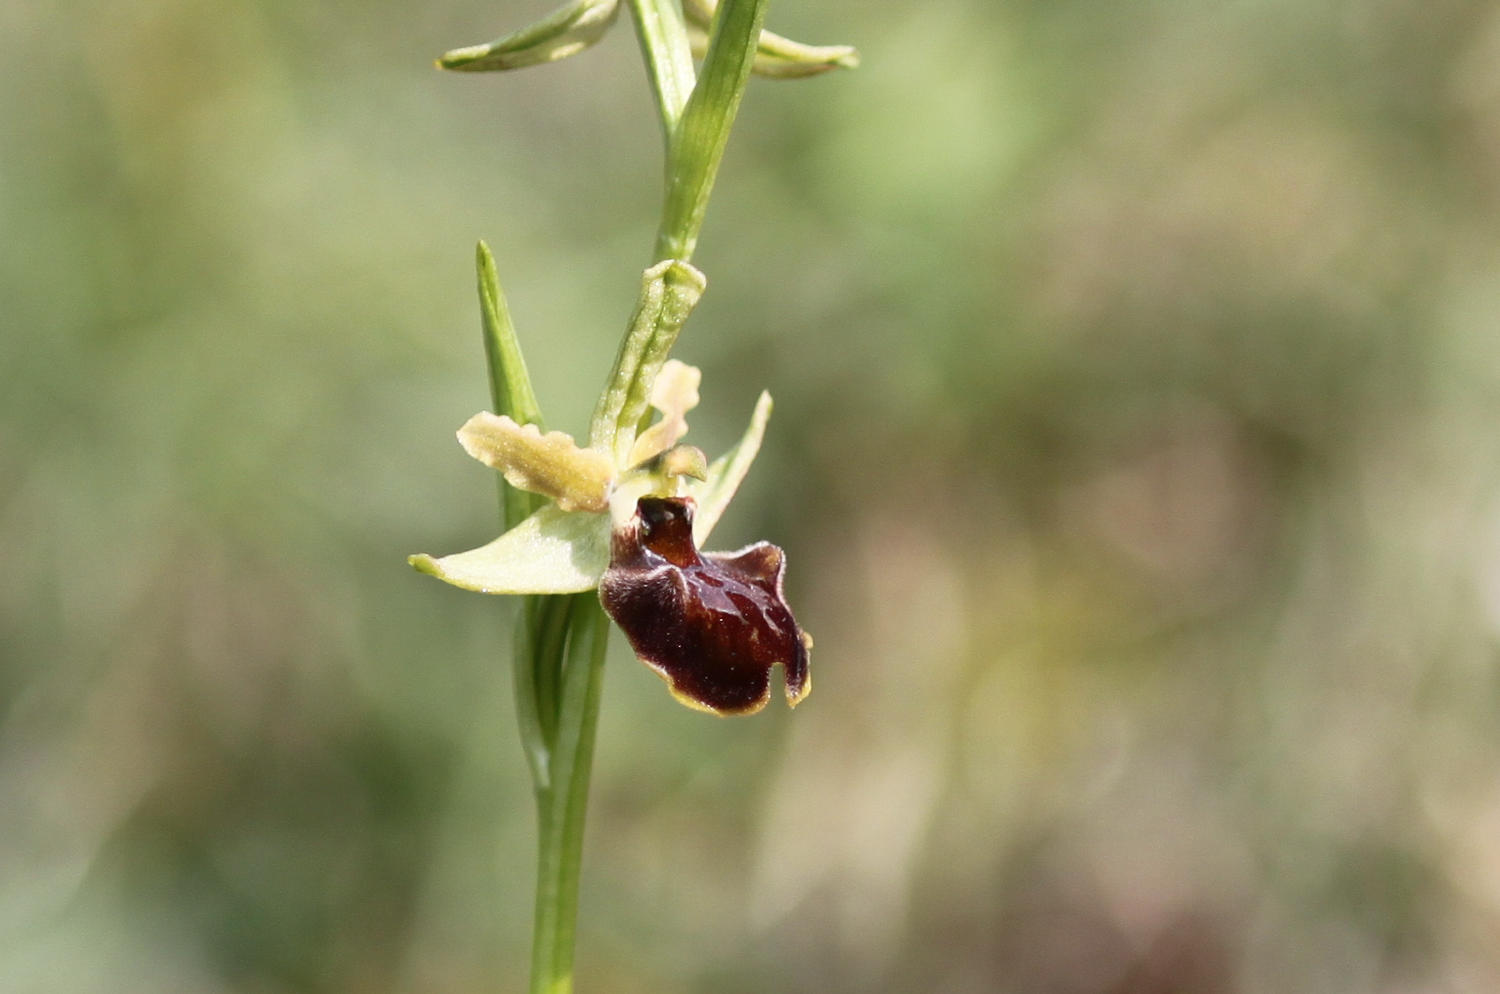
<point>562,804</point>
<point>696,147</point>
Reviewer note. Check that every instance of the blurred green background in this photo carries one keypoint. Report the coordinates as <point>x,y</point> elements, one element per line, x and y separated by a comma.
<point>1135,452</point>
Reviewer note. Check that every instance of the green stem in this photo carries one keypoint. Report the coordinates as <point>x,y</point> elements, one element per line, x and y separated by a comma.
<point>696,147</point>
<point>562,803</point>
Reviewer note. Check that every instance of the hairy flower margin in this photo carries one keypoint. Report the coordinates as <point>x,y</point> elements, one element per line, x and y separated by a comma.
<point>630,510</point>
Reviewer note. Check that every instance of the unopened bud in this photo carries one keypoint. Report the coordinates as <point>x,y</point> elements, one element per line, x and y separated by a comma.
<point>567,31</point>
<point>775,56</point>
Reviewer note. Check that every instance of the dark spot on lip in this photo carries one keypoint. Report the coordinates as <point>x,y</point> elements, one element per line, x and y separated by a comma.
<point>712,624</point>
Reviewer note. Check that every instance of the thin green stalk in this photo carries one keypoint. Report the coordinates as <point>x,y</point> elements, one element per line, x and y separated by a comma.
<point>696,146</point>
<point>562,805</point>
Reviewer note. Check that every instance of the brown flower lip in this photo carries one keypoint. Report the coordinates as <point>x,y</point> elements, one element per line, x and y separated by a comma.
<point>711,624</point>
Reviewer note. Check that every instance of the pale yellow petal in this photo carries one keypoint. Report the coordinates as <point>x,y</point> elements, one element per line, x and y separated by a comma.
<point>674,393</point>
<point>552,464</point>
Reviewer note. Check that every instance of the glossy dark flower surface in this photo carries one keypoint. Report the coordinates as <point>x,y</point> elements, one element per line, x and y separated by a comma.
<point>712,624</point>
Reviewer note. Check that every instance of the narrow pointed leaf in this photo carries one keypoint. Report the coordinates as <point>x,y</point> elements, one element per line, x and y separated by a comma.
<point>552,552</point>
<point>510,384</point>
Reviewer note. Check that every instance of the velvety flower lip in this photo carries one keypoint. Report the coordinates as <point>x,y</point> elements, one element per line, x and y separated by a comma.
<point>713,624</point>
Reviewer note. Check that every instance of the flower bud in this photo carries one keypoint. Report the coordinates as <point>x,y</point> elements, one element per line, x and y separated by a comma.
<point>567,31</point>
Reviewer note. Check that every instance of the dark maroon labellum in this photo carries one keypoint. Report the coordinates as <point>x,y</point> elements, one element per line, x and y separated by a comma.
<point>714,623</point>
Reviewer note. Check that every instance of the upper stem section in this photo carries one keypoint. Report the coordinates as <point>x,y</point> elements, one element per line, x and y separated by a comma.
<point>695,146</point>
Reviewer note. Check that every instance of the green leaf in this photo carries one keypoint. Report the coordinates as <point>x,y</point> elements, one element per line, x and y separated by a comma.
<point>567,31</point>
<point>552,552</point>
<point>510,384</point>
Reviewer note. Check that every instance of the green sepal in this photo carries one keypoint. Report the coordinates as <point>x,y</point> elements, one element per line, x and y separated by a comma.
<point>552,552</point>
<point>566,31</point>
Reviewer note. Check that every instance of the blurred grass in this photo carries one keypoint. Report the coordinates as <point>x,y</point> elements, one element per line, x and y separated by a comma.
<point>1136,378</point>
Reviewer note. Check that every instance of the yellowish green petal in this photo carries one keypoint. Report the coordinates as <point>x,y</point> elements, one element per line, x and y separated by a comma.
<point>552,552</point>
<point>552,464</point>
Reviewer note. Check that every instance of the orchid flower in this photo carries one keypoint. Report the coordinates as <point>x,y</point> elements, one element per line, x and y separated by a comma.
<point>627,513</point>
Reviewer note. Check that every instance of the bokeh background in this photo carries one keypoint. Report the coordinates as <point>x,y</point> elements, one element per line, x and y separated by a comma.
<point>1136,451</point>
